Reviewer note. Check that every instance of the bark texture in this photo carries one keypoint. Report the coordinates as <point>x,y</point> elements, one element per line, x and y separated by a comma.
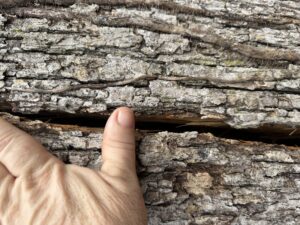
<point>236,63</point>
<point>195,178</point>
<point>199,62</point>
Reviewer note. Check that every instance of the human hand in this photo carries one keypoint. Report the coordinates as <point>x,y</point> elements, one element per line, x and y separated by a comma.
<point>36,188</point>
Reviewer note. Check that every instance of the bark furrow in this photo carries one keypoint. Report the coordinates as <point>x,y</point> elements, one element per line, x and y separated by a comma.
<point>156,58</point>
<point>194,178</point>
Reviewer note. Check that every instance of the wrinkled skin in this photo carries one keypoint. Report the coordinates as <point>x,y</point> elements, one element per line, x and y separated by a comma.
<point>36,188</point>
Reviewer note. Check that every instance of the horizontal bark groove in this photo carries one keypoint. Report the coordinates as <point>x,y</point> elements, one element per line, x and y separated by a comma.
<point>220,9</point>
<point>187,67</point>
<point>265,134</point>
<point>89,59</point>
<point>191,177</point>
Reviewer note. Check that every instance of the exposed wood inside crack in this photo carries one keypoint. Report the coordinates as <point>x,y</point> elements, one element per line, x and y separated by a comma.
<point>272,134</point>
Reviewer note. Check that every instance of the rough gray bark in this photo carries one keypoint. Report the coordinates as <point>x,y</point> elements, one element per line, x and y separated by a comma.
<point>195,178</point>
<point>209,62</point>
<point>236,63</point>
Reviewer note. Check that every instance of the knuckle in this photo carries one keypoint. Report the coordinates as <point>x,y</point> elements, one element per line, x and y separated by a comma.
<point>7,138</point>
<point>113,173</point>
<point>118,144</point>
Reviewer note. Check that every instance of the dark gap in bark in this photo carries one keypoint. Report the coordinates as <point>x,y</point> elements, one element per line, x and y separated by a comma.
<point>272,134</point>
<point>171,7</point>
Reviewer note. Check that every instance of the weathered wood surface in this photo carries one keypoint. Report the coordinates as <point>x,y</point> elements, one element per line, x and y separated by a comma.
<point>195,178</point>
<point>233,62</point>
<point>209,62</point>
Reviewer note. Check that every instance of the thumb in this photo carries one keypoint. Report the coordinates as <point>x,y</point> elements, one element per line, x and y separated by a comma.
<point>118,146</point>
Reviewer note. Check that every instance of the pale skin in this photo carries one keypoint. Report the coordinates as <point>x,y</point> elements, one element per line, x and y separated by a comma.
<point>36,188</point>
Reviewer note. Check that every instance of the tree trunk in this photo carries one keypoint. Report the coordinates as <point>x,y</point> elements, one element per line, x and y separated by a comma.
<point>194,178</point>
<point>228,67</point>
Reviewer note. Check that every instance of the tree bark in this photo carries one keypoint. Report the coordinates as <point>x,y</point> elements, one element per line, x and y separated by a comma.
<point>230,63</point>
<point>209,63</point>
<point>194,178</point>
